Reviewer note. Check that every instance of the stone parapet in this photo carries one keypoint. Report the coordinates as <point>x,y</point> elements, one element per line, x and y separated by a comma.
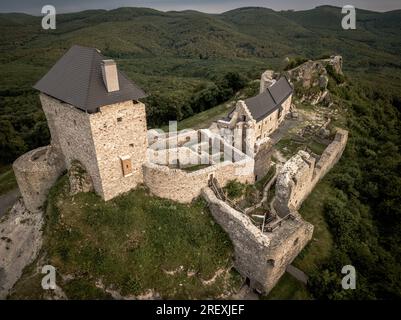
<point>36,171</point>
<point>302,172</point>
<point>260,257</point>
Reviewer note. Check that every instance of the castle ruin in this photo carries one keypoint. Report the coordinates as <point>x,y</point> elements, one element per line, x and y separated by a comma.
<point>96,119</point>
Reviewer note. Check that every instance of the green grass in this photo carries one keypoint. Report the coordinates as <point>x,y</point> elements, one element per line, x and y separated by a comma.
<point>312,210</point>
<point>288,288</point>
<point>316,147</point>
<point>262,182</point>
<point>195,167</point>
<point>131,241</point>
<point>7,180</point>
<point>203,119</point>
<point>288,147</point>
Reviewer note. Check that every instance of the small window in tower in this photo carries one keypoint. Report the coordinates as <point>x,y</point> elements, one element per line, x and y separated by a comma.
<point>131,145</point>
<point>119,119</point>
<point>270,262</point>
<point>126,165</point>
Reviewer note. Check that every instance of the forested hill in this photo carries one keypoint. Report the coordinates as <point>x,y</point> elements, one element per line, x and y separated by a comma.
<point>251,34</point>
<point>181,58</point>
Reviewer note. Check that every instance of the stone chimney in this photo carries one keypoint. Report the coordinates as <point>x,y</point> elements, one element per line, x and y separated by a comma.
<point>110,75</point>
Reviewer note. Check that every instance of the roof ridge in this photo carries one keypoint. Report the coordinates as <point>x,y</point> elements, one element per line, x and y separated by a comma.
<point>90,76</point>
<point>268,90</point>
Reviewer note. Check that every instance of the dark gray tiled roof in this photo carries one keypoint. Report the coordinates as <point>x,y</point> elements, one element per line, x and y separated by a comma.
<point>77,79</point>
<point>267,102</point>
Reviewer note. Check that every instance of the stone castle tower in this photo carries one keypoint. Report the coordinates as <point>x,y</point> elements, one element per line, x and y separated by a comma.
<point>95,117</point>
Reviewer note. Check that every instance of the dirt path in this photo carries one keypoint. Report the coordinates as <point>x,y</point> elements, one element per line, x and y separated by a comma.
<point>7,200</point>
<point>297,274</point>
<point>266,190</point>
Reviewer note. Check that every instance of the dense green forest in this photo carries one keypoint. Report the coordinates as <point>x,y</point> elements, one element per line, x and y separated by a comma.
<point>363,210</point>
<point>189,62</point>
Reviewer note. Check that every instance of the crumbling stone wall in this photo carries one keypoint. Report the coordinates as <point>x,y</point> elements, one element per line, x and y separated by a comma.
<point>301,173</point>
<point>36,171</point>
<point>266,80</point>
<point>80,180</point>
<point>263,152</point>
<point>314,73</point>
<point>260,257</point>
<point>182,186</point>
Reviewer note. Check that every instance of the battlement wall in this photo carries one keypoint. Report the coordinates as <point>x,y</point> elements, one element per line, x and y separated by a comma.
<point>260,257</point>
<point>36,171</point>
<point>183,186</point>
<point>301,173</point>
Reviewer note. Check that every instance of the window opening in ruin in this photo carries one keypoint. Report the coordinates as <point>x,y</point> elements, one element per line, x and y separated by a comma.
<point>270,262</point>
<point>131,145</point>
<point>126,165</point>
<point>296,241</point>
<point>119,119</point>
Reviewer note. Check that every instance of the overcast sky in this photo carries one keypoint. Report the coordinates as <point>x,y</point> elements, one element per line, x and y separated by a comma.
<point>213,6</point>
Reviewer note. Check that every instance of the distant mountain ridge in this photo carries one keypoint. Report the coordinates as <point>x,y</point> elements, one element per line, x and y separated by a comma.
<point>250,35</point>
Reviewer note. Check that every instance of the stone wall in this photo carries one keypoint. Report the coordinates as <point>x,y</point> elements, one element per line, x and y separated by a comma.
<point>119,130</point>
<point>36,171</point>
<point>182,186</point>
<point>183,156</point>
<point>301,173</point>
<point>263,152</point>
<point>260,257</point>
<point>267,80</point>
<point>71,133</point>
<point>80,180</point>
